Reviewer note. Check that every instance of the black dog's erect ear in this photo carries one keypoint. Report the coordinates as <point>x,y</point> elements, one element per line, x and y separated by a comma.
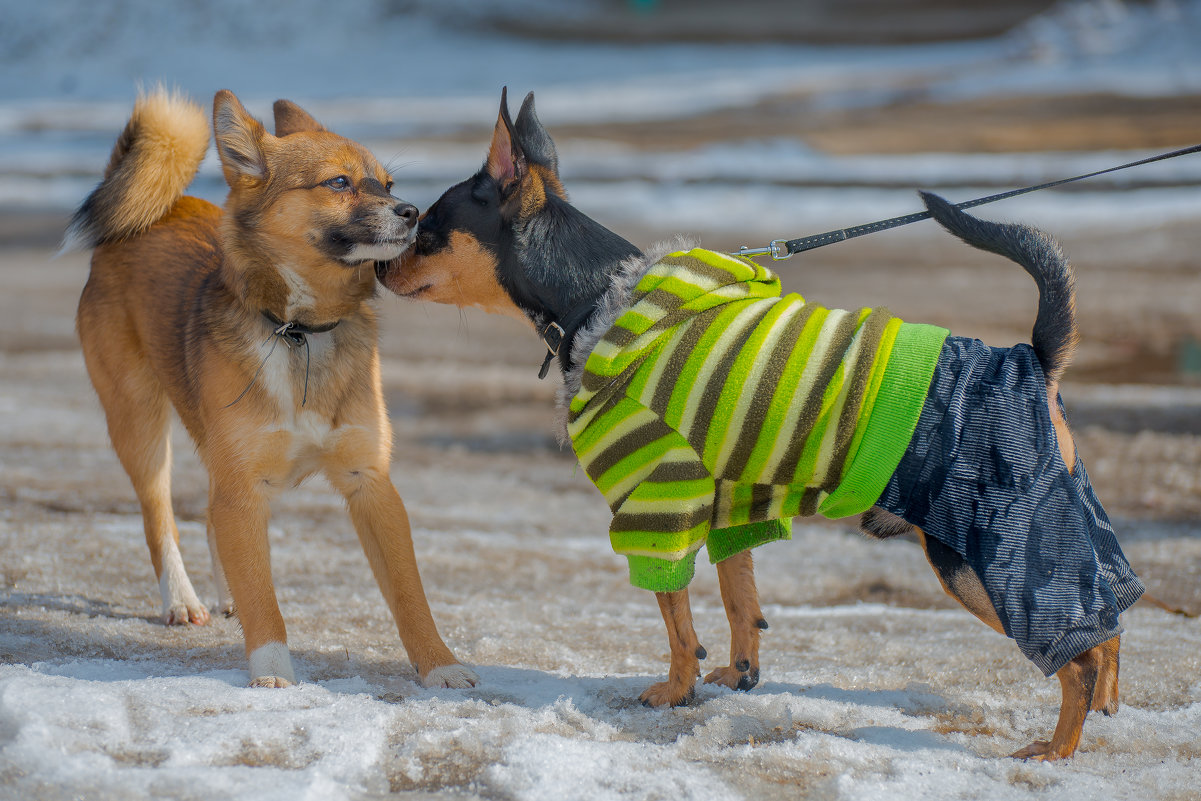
<point>291,118</point>
<point>506,160</point>
<point>534,139</point>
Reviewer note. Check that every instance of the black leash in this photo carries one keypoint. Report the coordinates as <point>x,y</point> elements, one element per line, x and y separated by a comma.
<point>294,334</point>
<point>780,249</point>
<point>553,335</point>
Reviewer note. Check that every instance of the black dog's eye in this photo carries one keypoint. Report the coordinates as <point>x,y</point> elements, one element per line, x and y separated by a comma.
<point>340,183</point>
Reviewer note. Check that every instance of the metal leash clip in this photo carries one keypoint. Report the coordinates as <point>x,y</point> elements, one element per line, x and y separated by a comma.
<point>777,249</point>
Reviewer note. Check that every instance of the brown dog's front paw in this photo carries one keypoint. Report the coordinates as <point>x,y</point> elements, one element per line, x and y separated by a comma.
<point>454,676</point>
<point>667,693</point>
<point>1041,751</point>
<point>273,682</point>
<point>734,677</point>
<point>182,614</point>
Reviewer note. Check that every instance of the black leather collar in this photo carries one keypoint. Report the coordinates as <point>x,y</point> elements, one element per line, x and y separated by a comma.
<point>293,332</point>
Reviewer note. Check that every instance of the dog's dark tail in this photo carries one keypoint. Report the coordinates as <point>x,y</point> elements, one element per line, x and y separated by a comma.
<point>1055,336</point>
<point>152,163</point>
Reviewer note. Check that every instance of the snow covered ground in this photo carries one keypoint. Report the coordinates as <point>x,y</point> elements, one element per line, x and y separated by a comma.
<point>875,685</point>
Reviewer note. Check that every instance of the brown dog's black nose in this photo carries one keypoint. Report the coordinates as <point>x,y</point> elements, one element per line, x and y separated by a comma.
<point>407,212</point>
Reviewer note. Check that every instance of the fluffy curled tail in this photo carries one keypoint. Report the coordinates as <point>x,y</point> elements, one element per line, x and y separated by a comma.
<point>1055,336</point>
<point>152,163</point>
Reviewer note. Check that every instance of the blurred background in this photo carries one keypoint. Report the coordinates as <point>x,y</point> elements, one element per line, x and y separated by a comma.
<point>763,118</point>
<point>735,123</point>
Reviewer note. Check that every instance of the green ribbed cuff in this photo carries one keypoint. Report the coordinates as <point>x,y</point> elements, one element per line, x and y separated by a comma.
<point>726,542</point>
<point>661,575</point>
<point>893,420</point>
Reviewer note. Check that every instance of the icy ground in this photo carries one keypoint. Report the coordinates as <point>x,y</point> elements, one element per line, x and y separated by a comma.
<point>874,684</point>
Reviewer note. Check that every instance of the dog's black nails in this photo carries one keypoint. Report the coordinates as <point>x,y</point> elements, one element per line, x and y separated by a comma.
<point>749,680</point>
<point>701,653</point>
<point>742,665</point>
<point>761,623</point>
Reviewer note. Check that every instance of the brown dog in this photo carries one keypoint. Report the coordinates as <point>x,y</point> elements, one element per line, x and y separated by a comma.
<point>254,323</point>
<point>506,240</point>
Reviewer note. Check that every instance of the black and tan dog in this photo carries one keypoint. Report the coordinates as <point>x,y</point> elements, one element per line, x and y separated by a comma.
<point>506,240</point>
<point>254,323</point>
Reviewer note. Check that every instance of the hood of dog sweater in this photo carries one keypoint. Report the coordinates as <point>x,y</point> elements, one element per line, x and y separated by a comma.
<point>611,305</point>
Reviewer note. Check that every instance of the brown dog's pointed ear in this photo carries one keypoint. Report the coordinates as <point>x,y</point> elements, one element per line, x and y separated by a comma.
<point>291,118</point>
<point>239,140</point>
<point>506,161</point>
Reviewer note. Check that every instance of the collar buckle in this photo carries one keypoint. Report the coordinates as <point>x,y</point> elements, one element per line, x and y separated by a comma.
<point>557,335</point>
<point>552,336</point>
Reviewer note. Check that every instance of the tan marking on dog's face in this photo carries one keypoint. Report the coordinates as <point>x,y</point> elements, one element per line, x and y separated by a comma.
<point>461,274</point>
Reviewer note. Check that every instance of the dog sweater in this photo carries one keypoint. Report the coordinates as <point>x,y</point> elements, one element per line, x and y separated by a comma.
<point>713,411</point>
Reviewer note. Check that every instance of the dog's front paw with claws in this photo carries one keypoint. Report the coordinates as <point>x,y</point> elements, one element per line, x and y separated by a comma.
<point>668,693</point>
<point>455,677</point>
<point>740,676</point>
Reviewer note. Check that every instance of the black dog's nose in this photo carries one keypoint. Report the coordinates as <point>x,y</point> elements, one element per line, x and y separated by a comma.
<point>407,212</point>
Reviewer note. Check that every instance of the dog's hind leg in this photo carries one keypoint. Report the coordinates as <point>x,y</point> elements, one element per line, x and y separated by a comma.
<point>1088,682</point>
<point>225,598</point>
<point>736,577</point>
<point>960,580</point>
<point>686,653</point>
<point>139,426</point>
<point>1105,696</point>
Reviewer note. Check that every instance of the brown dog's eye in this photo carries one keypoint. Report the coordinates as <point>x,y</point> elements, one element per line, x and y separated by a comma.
<point>340,183</point>
<point>388,186</point>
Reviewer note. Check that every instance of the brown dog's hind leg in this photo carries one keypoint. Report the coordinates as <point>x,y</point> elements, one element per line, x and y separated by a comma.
<point>686,653</point>
<point>139,426</point>
<point>736,577</point>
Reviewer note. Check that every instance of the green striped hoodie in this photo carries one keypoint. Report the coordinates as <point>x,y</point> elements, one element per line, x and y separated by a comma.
<point>713,411</point>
